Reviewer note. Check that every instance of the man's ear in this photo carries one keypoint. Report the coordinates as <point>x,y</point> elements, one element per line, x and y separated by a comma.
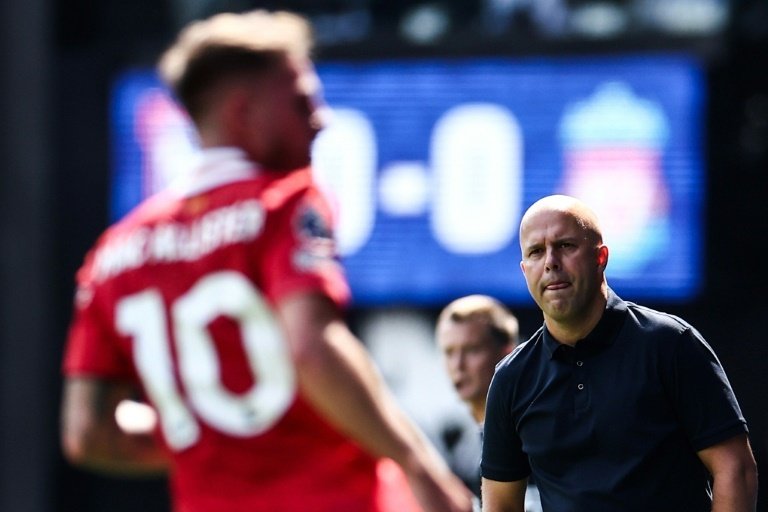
<point>602,256</point>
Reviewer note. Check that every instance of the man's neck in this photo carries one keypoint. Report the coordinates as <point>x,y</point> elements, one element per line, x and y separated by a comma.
<point>478,412</point>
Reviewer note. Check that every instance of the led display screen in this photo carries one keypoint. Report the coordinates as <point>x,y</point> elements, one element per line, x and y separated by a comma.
<point>429,165</point>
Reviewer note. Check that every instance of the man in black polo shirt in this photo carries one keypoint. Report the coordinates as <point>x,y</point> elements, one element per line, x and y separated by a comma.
<point>611,406</point>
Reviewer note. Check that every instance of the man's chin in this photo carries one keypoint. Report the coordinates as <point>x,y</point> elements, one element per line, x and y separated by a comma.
<point>465,394</point>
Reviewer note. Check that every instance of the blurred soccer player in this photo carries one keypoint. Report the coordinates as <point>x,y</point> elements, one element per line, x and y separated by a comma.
<point>220,299</point>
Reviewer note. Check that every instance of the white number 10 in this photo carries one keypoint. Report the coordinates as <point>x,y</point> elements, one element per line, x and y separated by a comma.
<point>143,317</point>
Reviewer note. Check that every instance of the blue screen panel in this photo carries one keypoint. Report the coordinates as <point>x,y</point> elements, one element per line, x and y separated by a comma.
<point>430,165</point>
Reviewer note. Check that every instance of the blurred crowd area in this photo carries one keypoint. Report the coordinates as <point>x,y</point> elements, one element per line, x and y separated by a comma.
<point>439,22</point>
<point>429,22</point>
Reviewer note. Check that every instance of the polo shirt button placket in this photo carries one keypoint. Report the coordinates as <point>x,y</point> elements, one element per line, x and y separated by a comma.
<point>580,386</point>
<point>581,398</point>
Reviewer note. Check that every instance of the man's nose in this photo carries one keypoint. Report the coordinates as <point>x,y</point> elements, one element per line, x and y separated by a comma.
<point>457,361</point>
<point>552,261</point>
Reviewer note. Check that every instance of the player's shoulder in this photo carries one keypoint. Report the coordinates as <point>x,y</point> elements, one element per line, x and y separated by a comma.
<point>280,188</point>
<point>123,229</point>
<point>145,213</point>
<point>158,205</point>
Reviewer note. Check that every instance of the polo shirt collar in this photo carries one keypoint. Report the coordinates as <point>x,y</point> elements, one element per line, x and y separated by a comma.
<point>601,336</point>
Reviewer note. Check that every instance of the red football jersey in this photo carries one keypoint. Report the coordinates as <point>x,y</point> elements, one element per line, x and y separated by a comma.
<point>179,296</point>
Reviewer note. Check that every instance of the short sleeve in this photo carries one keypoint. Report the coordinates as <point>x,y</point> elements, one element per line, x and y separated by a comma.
<point>91,348</point>
<point>503,458</point>
<point>301,254</point>
<point>703,396</point>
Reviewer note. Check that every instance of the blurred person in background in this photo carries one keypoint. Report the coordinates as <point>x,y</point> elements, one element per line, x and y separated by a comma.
<point>220,301</point>
<point>473,334</point>
<point>609,405</point>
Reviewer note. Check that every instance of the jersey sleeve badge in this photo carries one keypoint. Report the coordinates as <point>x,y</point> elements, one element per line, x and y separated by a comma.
<point>316,246</point>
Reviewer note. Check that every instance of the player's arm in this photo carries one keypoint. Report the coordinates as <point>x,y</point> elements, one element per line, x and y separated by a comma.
<point>734,475</point>
<point>92,437</point>
<point>338,377</point>
<point>504,496</point>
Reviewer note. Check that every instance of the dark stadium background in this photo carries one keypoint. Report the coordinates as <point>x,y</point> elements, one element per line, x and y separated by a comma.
<point>57,62</point>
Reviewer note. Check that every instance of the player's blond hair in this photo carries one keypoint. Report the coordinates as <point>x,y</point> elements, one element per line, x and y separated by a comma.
<point>227,45</point>
<point>502,325</point>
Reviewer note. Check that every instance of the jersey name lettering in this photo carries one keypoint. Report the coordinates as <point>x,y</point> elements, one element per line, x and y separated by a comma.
<point>172,241</point>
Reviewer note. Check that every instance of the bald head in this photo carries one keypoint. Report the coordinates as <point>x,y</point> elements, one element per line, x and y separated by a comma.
<point>582,214</point>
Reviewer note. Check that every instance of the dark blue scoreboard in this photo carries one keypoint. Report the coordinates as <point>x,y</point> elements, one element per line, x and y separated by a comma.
<point>429,165</point>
